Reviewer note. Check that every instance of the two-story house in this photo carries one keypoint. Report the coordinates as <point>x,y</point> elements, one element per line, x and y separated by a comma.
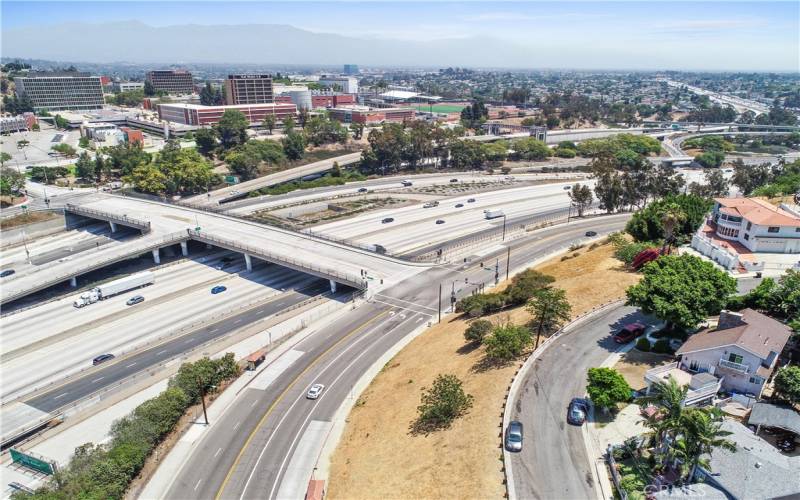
<point>756,224</point>
<point>742,350</point>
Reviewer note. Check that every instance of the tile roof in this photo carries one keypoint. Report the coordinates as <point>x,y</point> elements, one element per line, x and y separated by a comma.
<point>758,211</point>
<point>754,332</point>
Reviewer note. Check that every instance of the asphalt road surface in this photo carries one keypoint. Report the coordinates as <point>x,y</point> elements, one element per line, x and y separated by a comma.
<point>122,368</point>
<point>553,463</point>
<point>271,434</point>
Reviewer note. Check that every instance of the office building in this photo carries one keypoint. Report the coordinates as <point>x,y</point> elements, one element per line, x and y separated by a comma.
<point>128,86</point>
<point>369,116</point>
<point>59,91</point>
<point>17,123</point>
<point>248,89</point>
<point>195,114</point>
<point>171,81</point>
<point>346,84</point>
<point>350,69</point>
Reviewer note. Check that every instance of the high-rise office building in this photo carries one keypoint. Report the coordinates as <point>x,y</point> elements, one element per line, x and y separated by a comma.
<point>171,81</point>
<point>248,89</point>
<point>351,69</point>
<point>60,91</point>
<point>346,84</point>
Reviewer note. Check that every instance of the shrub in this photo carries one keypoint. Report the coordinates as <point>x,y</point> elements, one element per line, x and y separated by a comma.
<point>566,153</point>
<point>477,330</point>
<point>607,387</point>
<point>643,344</point>
<point>442,403</point>
<point>628,252</point>
<point>662,346</point>
<point>507,342</point>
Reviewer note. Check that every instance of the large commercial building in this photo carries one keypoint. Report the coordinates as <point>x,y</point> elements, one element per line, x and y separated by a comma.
<point>128,86</point>
<point>248,89</point>
<point>171,81</point>
<point>350,69</point>
<point>346,84</point>
<point>371,116</point>
<point>304,99</point>
<point>195,114</point>
<point>60,91</point>
<point>17,123</point>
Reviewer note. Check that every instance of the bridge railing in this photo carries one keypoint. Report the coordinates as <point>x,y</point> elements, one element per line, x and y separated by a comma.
<point>325,272</point>
<point>142,224</point>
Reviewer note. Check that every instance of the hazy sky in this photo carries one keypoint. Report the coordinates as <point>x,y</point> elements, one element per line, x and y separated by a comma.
<point>715,35</point>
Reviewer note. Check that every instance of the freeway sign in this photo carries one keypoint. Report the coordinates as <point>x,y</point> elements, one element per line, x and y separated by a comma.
<point>32,462</point>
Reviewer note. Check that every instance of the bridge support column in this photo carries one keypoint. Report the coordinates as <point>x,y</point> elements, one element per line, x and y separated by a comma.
<point>248,262</point>
<point>184,248</point>
<point>113,226</point>
<point>73,282</point>
<point>333,286</point>
<point>156,256</point>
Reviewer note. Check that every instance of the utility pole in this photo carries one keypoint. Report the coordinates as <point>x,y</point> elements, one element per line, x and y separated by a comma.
<point>440,302</point>
<point>504,227</point>
<point>453,298</point>
<point>497,272</point>
<point>203,398</point>
<point>508,262</point>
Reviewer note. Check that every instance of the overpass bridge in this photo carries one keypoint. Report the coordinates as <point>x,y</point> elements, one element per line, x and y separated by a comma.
<point>171,225</point>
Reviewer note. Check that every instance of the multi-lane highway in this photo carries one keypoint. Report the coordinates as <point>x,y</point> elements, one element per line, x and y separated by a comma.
<point>267,441</point>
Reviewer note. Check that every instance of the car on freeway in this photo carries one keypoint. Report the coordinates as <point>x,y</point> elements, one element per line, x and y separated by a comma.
<point>567,188</point>
<point>459,205</point>
<point>315,391</point>
<point>134,300</point>
<point>471,200</point>
<point>513,440</point>
<point>387,220</point>
<point>234,193</point>
<point>591,233</point>
<point>102,359</point>
<point>440,221</point>
<point>453,180</point>
<point>406,183</point>
<point>218,289</point>
<point>362,190</point>
<point>577,411</point>
<point>224,262</point>
<point>629,332</point>
<point>6,272</point>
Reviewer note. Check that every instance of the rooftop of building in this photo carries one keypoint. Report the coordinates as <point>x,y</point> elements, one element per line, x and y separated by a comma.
<point>52,74</point>
<point>758,211</point>
<point>201,107</point>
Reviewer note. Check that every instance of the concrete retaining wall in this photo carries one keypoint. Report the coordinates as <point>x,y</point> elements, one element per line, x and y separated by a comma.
<point>14,236</point>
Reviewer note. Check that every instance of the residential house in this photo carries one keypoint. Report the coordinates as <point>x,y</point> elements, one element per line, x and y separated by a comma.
<point>742,350</point>
<point>756,224</point>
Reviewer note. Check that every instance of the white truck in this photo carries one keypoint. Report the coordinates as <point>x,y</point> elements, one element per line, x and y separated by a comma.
<point>115,287</point>
<point>493,214</point>
<point>431,204</point>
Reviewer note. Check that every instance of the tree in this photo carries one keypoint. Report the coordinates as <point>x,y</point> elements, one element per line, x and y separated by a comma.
<point>747,177</point>
<point>668,397</point>
<point>442,403</point>
<point>232,128</point>
<point>4,157</point>
<point>549,309</point>
<point>607,388</point>
<point>525,285</point>
<point>671,216</point>
<point>85,167</point>
<point>321,130</point>
<point>581,197</point>
<point>149,90</point>
<point>477,330</point>
<point>681,290</point>
<point>209,96</point>
<point>11,181</point>
<point>244,164</point>
<point>288,125</point>
<point>787,383</point>
<point>147,178</point>
<point>530,148</point>
<point>358,130</point>
<point>710,158</point>
<point>131,98</point>
<point>206,141</point>
<point>608,187</point>
<point>507,342</point>
<point>124,158</point>
<point>294,145</point>
<point>269,123</point>
<point>647,224</point>
<point>64,149</point>
<point>700,435</point>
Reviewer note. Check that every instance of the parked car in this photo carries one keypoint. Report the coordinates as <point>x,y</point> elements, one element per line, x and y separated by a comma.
<point>218,289</point>
<point>459,205</point>
<point>362,190</point>
<point>513,440</point>
<point>6,272</point>
<point>591,233</point>
<point>453,180</point>
<point>102,359</point>
<point>387,220</point>
<point>578,409</point>
<point>629,332</point>
<point>315,391</point>
<point>440,221</point>
<point>471,200</point>
<point>134,300</point>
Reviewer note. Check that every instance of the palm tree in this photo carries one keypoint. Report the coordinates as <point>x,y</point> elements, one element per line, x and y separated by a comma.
<point>671,216</point>
<point>668,397</point>
<point>701,435</point>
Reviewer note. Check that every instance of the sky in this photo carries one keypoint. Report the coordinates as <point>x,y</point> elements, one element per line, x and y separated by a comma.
<point>718,35</point>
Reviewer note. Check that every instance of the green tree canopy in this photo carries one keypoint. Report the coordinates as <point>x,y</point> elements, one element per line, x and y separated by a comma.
<point>232,128</point>
<point>477,330</point>
<point>507,342</point>
<point>442,403</point>
<point>647,224</point>
<point>549,310</point>
<point>787,383</point>
<point>607,387</point>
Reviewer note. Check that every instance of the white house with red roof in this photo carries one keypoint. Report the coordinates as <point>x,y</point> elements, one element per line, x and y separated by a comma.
<point>757,225</point>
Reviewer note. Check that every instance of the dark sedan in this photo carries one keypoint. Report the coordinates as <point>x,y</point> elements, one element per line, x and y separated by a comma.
<point>578,409</point>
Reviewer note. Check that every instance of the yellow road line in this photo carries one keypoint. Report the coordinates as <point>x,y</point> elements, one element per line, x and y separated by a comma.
<point>269,411</point>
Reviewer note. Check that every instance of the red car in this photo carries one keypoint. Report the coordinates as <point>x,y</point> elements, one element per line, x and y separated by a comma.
<point>629,332</point>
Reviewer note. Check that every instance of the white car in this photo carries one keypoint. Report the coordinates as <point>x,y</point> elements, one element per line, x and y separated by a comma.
<point>315,391</point>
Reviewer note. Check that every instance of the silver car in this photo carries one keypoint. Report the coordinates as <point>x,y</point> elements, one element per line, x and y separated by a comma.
<point>513,441</point>
<point>315,391</point>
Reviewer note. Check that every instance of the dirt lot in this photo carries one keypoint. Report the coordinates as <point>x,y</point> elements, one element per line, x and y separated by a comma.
<point>379,458</point>
<point>27,218</point>
<point>634,364</point>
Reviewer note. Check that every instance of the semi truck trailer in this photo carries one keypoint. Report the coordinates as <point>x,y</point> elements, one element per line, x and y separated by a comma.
<point>493,214</point>
<point>115,287</point>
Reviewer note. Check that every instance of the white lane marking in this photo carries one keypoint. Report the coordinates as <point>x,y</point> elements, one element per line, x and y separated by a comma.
<point>189,340</point>
<point>237,425</point>
<point>253,403</point>
<point>237,321</point>
<point>162,351</point>
<point>97,379</point>
<point>401,308</point>
<point>132,364</point>
<point>404,301</point>
<point>214,330</point>
<point>61,395</point>
<point>217,453</point>
<point>420,319</point>
<point>198,484</point>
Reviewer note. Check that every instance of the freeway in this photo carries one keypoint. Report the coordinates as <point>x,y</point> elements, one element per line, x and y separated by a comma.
<point>267,441</point>
<point>554,462</point>
<point>122,368</point>
<point>219,196</point>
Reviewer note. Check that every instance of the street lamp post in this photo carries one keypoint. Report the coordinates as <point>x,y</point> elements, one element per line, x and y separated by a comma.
<point>504,226</point>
